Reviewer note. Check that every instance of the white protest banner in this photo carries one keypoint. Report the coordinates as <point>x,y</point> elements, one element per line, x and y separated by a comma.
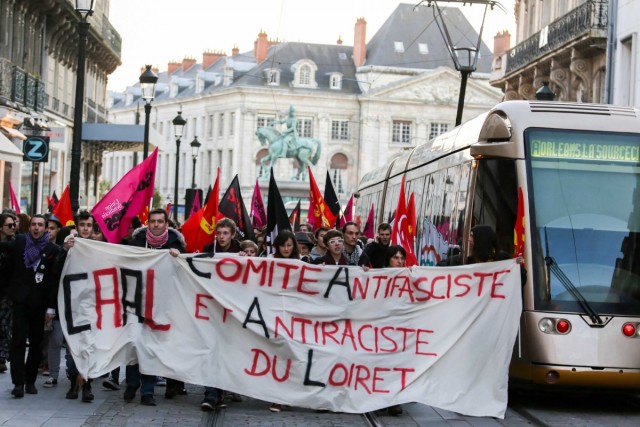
<point>283,331</point>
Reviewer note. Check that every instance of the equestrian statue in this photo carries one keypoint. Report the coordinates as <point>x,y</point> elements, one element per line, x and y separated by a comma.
<point>288,144</point>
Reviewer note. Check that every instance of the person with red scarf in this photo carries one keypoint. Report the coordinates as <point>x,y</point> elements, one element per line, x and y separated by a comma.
<point>157,235</point>
<point>32,286</point>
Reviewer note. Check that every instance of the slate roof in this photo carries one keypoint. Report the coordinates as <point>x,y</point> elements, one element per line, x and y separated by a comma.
<point>412,27</point>
<point>407,24</point>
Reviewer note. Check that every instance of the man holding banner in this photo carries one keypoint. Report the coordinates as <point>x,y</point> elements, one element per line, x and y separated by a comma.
<point>157,235</point>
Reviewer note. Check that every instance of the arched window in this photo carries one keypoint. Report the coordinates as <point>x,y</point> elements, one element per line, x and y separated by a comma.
<point>305,75</point>
<point>338,172</point>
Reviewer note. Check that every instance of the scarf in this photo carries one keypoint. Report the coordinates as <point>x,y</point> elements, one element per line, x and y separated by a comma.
<point>354,256</point>
<point>156,242</point>
<point>33,249</point>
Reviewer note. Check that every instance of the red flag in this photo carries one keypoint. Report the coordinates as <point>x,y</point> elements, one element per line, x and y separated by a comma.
<point>411,215</point>
<point>368,231</point>
<point>200,229</point>
<point>115,211</point>
<point>168,209</point>
<point>518,229</point>
<point>347,215</point>
<point>258,213</point>
<point>63,209</point>
<point>400,234</point>
<point>14,200</point>
<point>322,215</point>
<point>144,215</point>
<point>232,206</point>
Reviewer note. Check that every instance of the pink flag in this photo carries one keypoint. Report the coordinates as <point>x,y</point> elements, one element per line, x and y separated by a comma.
<point>14,200</point>
<point>348,213</point>
<point>126,199</point>
<point>258,214</point>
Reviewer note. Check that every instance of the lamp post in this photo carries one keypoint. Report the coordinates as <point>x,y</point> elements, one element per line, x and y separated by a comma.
<point>195,148</point>
<point>148,81</point>
<point>85,9</point>
<point>178,126</point>
<point>465,59</point>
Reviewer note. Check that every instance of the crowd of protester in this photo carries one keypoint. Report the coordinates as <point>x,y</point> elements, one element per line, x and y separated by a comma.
<point>33,250</point>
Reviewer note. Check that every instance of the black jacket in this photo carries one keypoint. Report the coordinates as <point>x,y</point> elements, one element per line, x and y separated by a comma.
<point>26,286</point>
<point>377,253</point>
<point>175,241</point>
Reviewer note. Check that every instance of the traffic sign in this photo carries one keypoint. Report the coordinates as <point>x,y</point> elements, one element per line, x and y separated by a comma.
<point>36,149</point>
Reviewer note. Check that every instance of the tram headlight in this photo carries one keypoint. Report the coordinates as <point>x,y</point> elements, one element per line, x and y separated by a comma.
<point>546,325</point>
<point>629,329</point>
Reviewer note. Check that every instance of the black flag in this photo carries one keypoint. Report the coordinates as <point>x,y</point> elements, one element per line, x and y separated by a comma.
<point>277,218</point>
<point>331,199</point>
<point>232,207</point>
<point>294,218</point>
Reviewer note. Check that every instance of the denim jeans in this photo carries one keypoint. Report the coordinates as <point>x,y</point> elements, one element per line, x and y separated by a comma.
<point>212,393</point>
<point>135,379</point>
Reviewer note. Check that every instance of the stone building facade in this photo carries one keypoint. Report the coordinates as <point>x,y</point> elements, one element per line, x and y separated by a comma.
<point>562,42</point>
<point>38,61</point>
<point>366,103</point>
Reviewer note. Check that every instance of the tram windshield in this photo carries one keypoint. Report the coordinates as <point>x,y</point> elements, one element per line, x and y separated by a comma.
<point>586,204</point>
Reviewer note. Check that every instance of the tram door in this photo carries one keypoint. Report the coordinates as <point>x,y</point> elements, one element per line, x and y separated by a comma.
<point>495,200</point>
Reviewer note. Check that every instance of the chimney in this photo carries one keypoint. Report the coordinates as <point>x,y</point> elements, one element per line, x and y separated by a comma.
<point>260,47</point>
<point>173,66</point>
<point>188,62</point>
<point>210,57</point>
<point>339,41</point>
<point>235,50</point>
<point>155,70</point>
<point>501,43</point>
<point>360,42</point>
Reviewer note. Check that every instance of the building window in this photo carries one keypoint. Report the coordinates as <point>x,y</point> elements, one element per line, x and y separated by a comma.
<point>273,77</point>
<point>336,81</point>
<point>436,129</point>
<point>398,47</point>
<point>210,126</point>
<point>305,75</point>
<point>221,125</point>
<point>423,48</point>
<point>264,121</point>
<point>627,77</point>
<point>338,172</point>
<point>340,130</point>
<point>401,133</point>
<point>232,120</point>
<point>305,128</point>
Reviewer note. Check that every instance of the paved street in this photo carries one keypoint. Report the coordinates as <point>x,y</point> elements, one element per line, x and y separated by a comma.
<point>50,408</point>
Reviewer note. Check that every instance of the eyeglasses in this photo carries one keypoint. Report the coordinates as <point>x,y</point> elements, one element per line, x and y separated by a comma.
<point>335,241</point>
<point>12,225</point>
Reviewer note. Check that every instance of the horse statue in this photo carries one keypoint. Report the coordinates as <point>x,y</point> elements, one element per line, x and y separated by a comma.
<point>305,150</point>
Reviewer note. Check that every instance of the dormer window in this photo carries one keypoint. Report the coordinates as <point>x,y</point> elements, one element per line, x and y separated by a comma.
<point>398,47</point>
<point>335,81</point>
<point>273,76</point>
<point>304,74</point>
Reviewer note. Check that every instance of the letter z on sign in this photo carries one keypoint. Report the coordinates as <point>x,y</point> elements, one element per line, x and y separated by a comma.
<point>36,149</point>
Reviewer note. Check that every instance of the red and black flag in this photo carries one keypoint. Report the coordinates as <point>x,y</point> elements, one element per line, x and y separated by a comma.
<point>331,198</point>
<point>294,217</point>
<point>277,218</point>
<point>232,207</point>
<point>52,202</point>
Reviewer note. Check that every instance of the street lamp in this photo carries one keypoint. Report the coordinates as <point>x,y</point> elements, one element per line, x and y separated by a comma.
<point>465,59</point>
<point>178,126</point>
<point>195,148</point>
<point>545,93</point>
<point>148,81</point>
<point>85,9</point>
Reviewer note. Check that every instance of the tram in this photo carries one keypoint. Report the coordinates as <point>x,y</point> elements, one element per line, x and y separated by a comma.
<point>578,168</point>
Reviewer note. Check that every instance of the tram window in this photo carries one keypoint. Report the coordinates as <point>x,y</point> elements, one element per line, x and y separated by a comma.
<point>495,199</point>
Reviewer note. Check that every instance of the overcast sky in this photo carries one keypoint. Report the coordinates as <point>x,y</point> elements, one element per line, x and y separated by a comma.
<point>158,31</point>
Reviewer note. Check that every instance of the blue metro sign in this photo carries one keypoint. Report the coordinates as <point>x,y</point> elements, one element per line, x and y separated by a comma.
<point>36,149</point>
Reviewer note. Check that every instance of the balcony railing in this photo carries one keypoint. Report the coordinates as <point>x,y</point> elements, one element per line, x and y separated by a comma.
<point>588,17</point>
<point>20,88</point>
<point>112,36</point>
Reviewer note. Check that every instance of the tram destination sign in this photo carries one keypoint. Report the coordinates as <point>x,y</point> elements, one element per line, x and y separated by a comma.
<point>574,150</point>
